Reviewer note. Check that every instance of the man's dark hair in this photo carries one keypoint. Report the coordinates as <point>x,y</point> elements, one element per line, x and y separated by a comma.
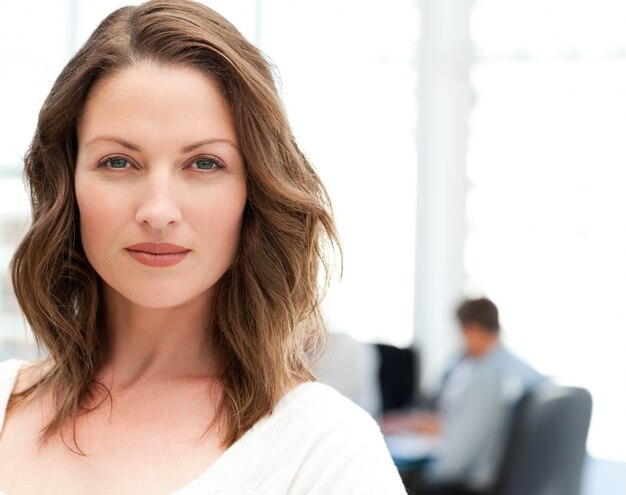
<point>479,311</point>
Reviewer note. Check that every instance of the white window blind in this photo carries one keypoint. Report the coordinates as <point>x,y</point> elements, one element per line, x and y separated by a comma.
<point>545,207</point>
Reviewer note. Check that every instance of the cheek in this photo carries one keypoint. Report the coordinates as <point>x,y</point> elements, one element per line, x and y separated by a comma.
<point>219,221</point>
<point>99,212</point>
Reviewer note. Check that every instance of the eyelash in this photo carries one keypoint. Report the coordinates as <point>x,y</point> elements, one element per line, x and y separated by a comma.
<point>218,163</point>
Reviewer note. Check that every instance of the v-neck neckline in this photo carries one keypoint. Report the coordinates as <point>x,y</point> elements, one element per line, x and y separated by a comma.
<point>217,466</point>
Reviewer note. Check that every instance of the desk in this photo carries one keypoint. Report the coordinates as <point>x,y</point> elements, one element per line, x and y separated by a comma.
<point>411,450</point>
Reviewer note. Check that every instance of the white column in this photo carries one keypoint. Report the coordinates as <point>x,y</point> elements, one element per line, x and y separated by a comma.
<point>444,99</point>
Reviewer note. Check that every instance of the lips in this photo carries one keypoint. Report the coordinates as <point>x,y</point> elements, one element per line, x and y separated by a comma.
<point>157,248</point>
<point>158,255</point>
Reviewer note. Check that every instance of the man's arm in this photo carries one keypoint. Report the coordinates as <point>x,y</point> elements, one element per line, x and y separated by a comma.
<point>470,428</point>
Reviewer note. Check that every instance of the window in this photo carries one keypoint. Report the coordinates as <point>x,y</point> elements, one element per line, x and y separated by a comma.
<point>350,87</point>
<point>546,169</point>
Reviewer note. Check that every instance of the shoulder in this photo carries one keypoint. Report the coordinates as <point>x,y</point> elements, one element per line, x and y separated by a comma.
<point>315,415</point>
<point>498,360</point>
<point>9,371</point>
<point>9,376</point>
<point>316,409</point>
<point>347,452</point>
<point>512,366</point>
<point>315,398</point>
<point>316,441</point>
<point>506,375</point>
<point>18,375</point>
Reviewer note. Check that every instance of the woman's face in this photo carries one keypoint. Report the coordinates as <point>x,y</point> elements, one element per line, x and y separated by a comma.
<point>158,162</point>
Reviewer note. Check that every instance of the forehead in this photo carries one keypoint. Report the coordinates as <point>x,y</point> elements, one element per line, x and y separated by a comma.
<point>149,101</point>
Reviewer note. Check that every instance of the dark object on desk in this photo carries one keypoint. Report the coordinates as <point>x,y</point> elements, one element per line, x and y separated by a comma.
<point>397,374</point>
<point>449,490</point>
<point>546,448</point>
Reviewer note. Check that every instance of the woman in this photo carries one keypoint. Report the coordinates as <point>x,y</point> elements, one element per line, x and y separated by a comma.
<point>171,273</point>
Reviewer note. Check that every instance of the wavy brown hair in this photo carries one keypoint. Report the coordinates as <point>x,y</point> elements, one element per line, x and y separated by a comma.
<point>266,309</point>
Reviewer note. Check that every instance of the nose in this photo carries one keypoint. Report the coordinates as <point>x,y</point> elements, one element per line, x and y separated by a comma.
<point>158,200</point>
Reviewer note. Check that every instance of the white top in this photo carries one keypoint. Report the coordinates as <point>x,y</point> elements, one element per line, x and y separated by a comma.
<point>316,442</point>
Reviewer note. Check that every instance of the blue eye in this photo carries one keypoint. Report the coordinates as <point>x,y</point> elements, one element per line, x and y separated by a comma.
<point>113,162</point>
<point>207,163</point>
<point>118,162</point>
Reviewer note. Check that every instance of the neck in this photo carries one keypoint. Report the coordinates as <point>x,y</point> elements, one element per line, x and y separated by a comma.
<point>156,344</point>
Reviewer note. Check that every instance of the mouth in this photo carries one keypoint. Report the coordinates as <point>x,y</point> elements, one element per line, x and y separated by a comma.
<point>157,254</point>
<point>157,248</point>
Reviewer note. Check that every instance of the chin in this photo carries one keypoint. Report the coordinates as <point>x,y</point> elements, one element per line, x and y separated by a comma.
<point>158,297</point>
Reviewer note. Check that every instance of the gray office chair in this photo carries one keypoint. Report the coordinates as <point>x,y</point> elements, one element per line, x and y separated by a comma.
<point>546,447</point>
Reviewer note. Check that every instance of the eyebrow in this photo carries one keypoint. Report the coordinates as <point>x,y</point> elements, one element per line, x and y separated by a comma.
<point>184,149</point>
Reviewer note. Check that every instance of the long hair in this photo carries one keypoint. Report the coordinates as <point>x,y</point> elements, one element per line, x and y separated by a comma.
<point>266,314</point>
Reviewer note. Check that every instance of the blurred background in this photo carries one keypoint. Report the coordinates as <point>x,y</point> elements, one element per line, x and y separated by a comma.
<point>470,148</point>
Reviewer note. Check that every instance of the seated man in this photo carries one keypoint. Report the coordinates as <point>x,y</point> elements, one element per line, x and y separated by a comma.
<point>474,405</point>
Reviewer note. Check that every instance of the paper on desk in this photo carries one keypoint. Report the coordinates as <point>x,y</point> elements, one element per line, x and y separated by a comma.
<point>411,445</point>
